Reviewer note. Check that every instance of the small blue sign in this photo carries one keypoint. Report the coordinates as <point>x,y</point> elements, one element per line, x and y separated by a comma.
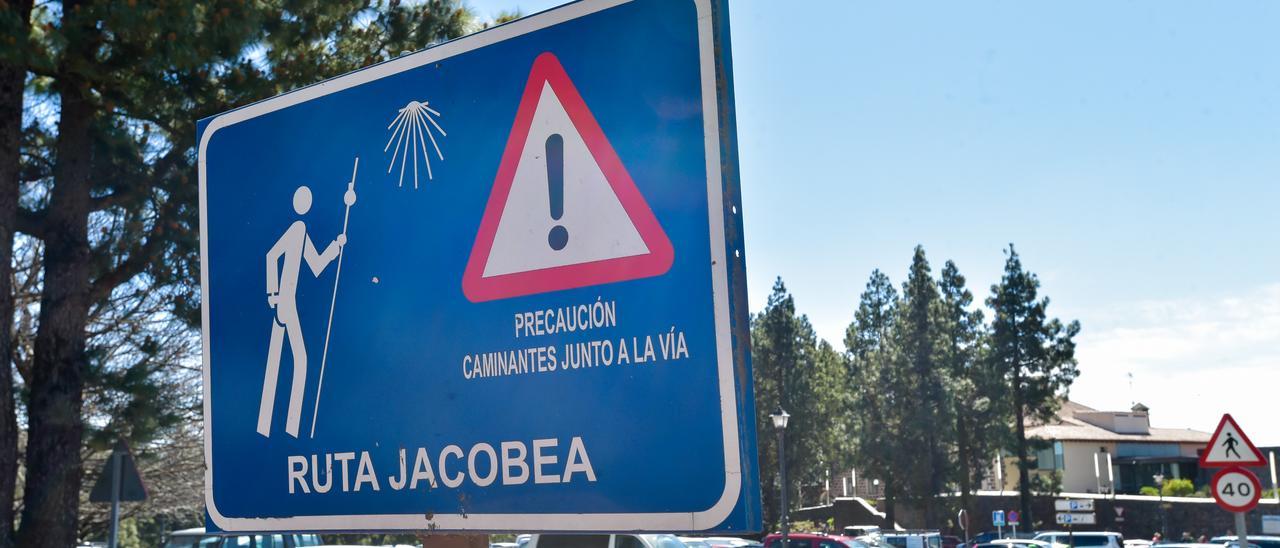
<point>496,285</point>
<point>997,518</point>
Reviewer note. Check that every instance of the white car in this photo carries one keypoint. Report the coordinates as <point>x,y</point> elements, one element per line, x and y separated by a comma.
<point>1263,541</point>
<point>1084,539</point>
<point>198,538</point>
<point>731,542</point>
<point>1015,543</point>
<point>604,541</point>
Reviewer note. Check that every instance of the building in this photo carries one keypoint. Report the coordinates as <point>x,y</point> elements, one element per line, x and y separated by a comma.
<point>1078,440</point>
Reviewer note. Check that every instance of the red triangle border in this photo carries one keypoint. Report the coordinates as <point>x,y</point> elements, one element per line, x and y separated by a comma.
<point>477,288</point>
<point>1258,460</point>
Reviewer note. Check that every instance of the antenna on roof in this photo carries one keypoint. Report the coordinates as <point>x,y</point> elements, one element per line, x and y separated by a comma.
<point>1132,400</point>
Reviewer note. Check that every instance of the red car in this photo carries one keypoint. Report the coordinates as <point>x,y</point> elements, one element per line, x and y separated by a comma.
<point>810,540</point>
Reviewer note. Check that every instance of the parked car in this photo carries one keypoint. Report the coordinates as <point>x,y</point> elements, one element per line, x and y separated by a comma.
<point>604,541</point>
<point>732,542</point>
<point>1014,543</point>
<point>1265,541</point>
<point>984,537</point>
<point>861,530</point>
<point>813,540</point>
<point>952,541</point>
<point>911,539</point>
<point>692,542</point>
<point>198,538</point>
<point>1089,539</point>
<point>1234,544</point>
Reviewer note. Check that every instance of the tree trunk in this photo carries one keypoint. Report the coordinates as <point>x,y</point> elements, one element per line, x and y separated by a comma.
<point>937,464</point>
<point>13,77</point>
<point>1024,478</point>
<point>963,448</point>
<point>889,514</point>
<point>52,495</point>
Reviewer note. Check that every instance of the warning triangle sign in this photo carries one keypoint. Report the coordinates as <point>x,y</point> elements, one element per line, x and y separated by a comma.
<point>1229,446</point>
<point>130,486</point>
<point>563,212</point>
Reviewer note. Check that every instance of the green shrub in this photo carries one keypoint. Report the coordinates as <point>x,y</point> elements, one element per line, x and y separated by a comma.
<point>803,526</point>
<point>1149,491</point>
<point>1178,488</point>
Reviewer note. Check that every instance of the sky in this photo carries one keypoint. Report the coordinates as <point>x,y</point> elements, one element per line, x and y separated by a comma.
<point>1130,151</point>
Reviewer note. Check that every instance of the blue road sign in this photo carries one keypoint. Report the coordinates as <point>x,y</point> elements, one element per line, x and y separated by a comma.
<point>494,285</point>
<point>997,518</point>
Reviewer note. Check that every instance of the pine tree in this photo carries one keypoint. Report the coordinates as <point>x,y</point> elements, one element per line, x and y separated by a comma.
<point>922,456</point>
<point>1034,355</point>
<point>797,373</point>
<point>109,179</point>
<point>975,391</point>
<point>15,23</point>
<point>875,390</point>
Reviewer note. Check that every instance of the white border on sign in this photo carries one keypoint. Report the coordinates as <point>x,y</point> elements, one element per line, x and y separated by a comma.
<point>676,521</point>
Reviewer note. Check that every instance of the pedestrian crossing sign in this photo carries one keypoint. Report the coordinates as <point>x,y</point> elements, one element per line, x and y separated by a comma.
<point>1229,446</point>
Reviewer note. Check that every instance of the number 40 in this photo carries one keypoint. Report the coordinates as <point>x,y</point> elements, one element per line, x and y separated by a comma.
<point>1242,488</point>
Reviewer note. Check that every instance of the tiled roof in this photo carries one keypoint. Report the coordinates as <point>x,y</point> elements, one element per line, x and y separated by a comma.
<point>1089,432</point>
<point>1067,427</point>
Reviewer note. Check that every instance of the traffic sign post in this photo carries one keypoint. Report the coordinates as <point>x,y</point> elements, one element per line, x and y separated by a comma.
<point>1071,519</point>
<point>1013,518</point>
<point>118,482</point>
<point>1066,518</point>
<point>997,519</point>
<point>542,288</point>
<point>1230,446</point>
<point>1068,505</point>
<point>1072,513</point>
<point>1235,488</point>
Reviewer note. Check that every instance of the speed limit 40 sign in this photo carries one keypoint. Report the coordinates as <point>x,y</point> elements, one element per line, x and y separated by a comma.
<point>1236,489</point>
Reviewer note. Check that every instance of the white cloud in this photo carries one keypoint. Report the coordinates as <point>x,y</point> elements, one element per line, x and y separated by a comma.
<point>1191,360</point>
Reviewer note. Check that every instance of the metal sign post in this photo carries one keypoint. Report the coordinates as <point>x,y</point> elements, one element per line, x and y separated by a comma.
<point>1242,534</point>
<point>115,499</point>
<point>1235,488</point>
<point>118,482</point>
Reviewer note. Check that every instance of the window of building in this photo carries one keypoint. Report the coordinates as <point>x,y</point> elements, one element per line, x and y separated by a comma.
<point>1147,450</point>
<point>1049,458</point>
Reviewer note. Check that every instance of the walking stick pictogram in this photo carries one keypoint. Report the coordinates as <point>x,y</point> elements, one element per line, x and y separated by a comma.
<point>349,198</point>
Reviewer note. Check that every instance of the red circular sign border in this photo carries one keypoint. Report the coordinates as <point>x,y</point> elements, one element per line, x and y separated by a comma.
<point>1257,489</point>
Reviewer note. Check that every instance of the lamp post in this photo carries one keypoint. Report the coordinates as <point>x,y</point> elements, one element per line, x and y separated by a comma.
<point>780,425</point>
<point>1159,479</point>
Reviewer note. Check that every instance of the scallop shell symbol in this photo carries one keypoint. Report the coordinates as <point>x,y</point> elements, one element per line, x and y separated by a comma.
<point>413,126</point>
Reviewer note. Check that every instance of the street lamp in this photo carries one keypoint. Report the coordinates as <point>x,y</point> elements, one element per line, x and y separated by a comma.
<point>780,425</point>
<point>1159,479</point>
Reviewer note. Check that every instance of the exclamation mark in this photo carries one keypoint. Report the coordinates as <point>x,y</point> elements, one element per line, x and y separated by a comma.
<point>559,235</point>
